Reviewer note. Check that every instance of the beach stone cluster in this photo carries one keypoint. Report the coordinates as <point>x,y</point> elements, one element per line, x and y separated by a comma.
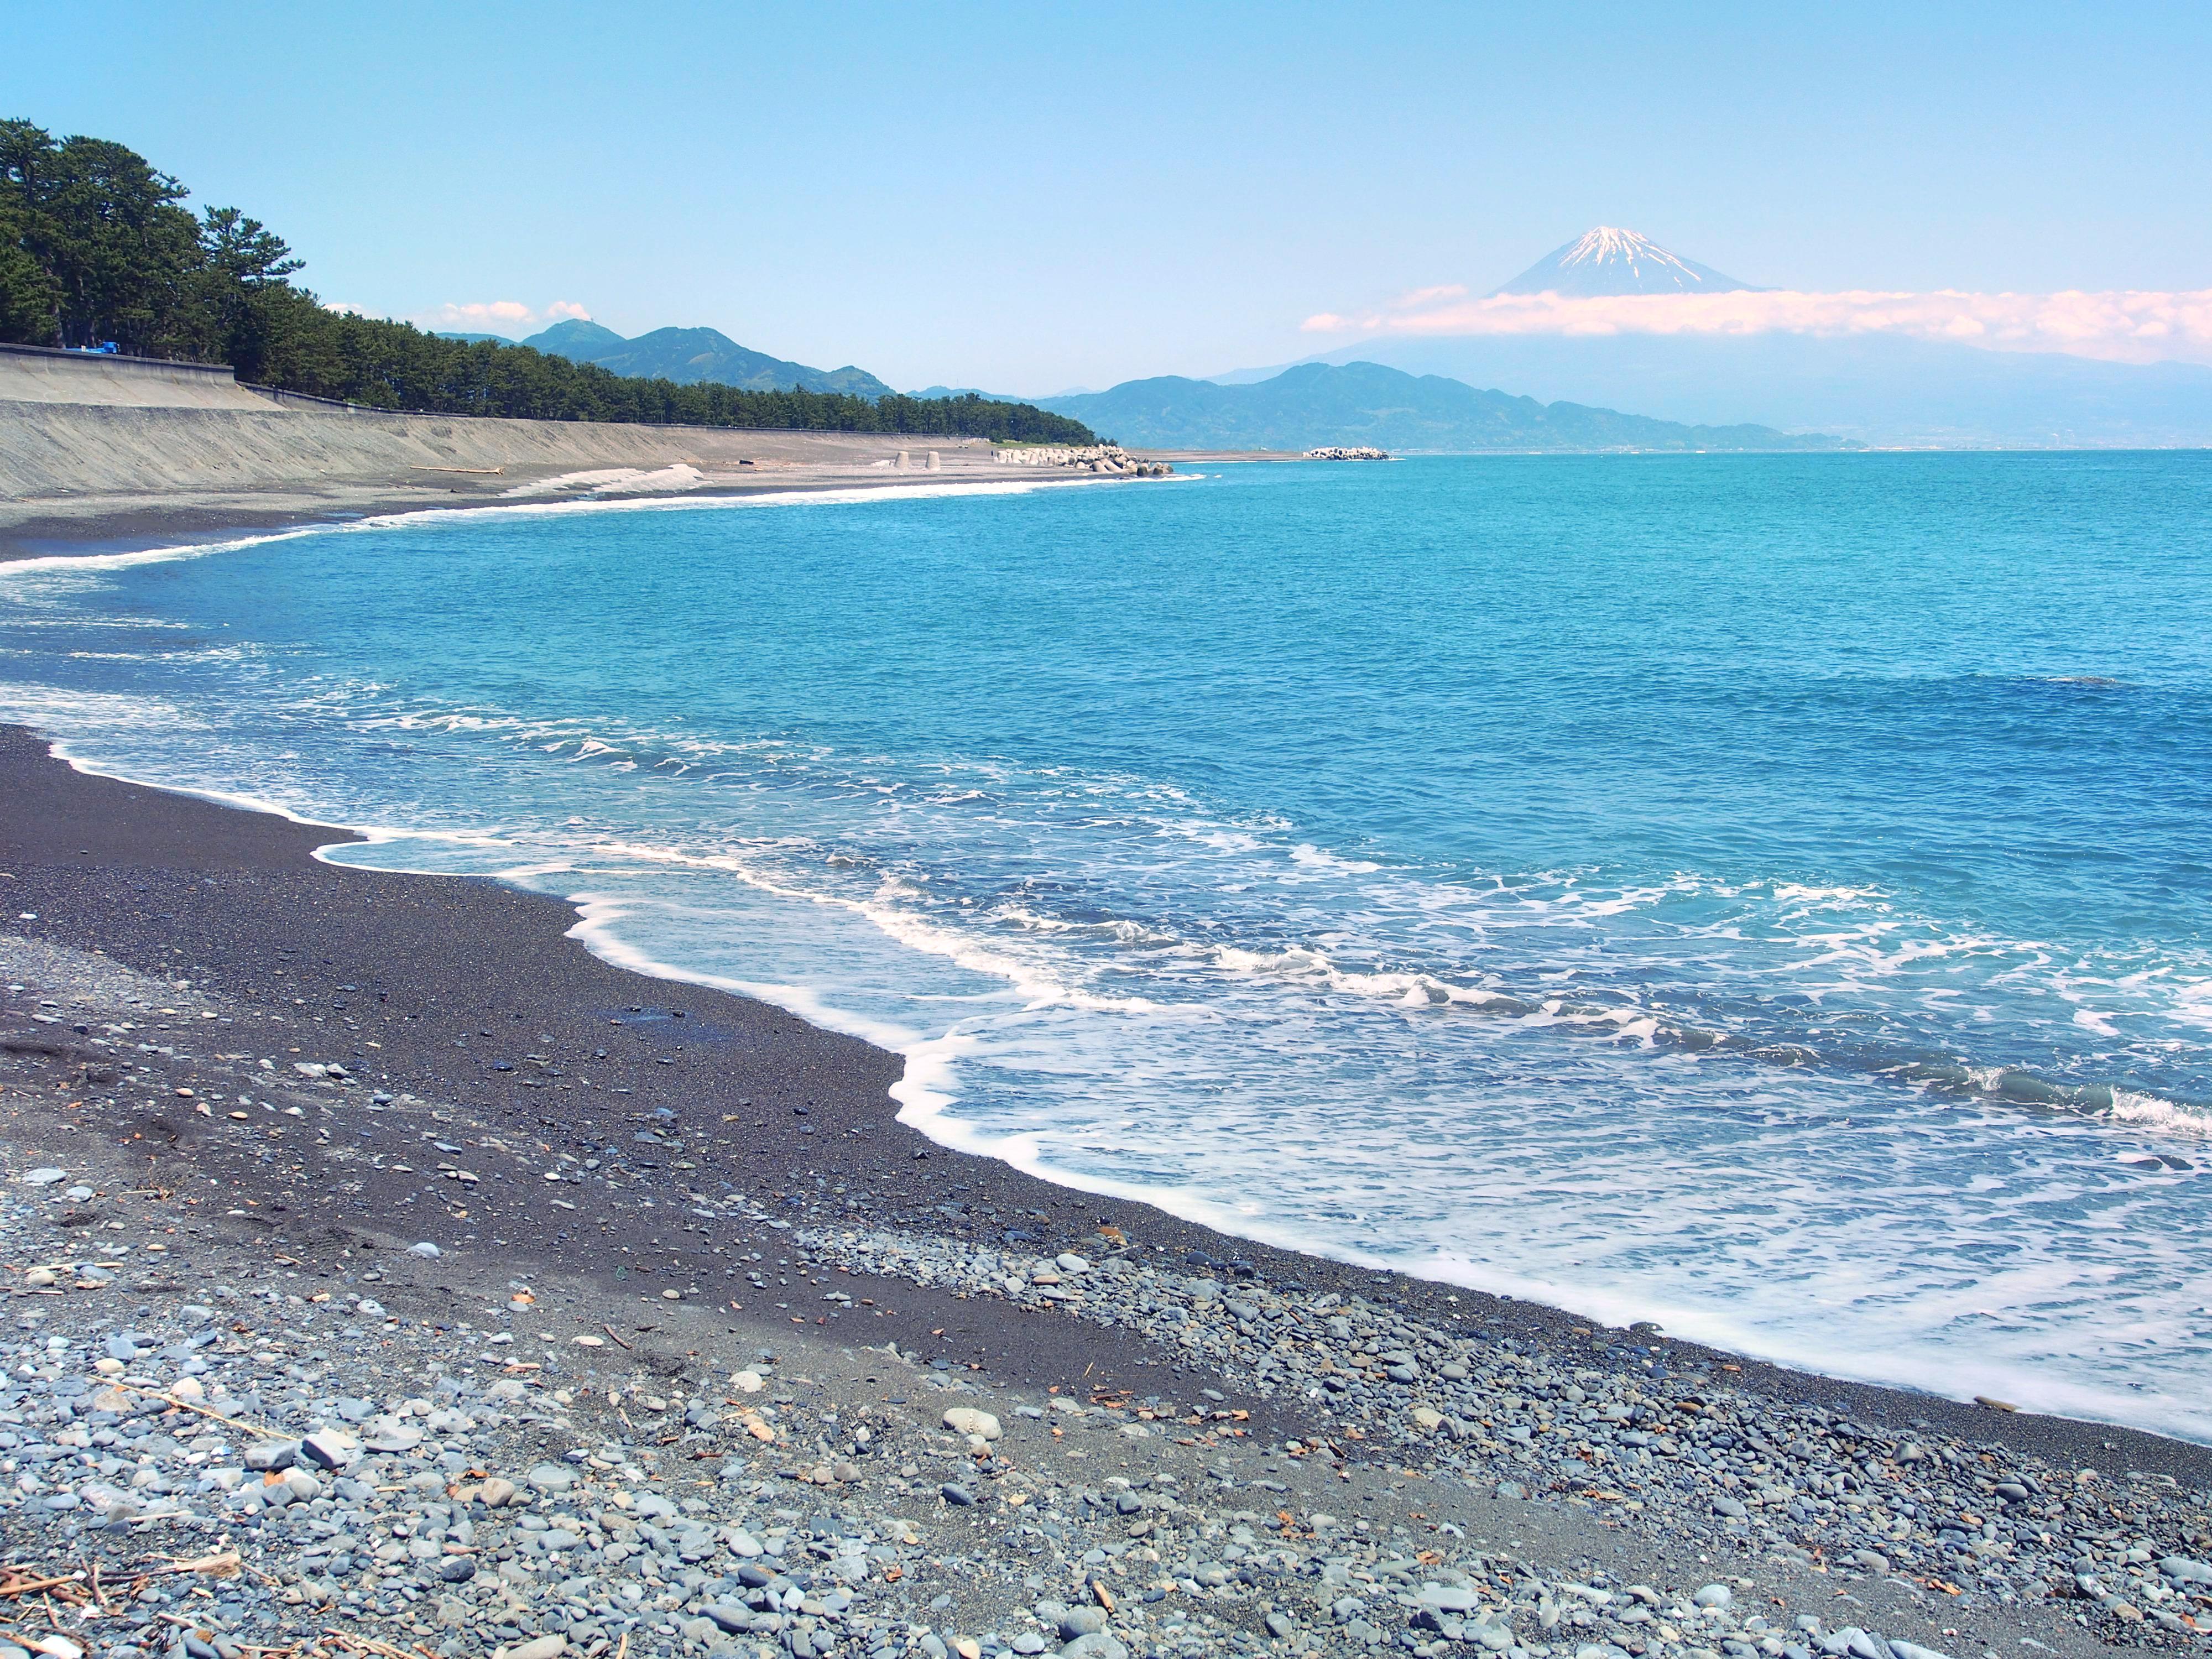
<point>1642,1442</point>
<point>209,1447</point>
<point>382,1520</point>
<point>251,1462</point>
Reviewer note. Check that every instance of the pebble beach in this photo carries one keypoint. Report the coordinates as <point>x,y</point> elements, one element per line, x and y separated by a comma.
<point>328,1333</point>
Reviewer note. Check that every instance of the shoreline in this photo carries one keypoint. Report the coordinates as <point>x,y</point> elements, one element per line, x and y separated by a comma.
<point>220,534</point>
<point>121,478</point>
<point>494,1025</point>
<point>96,528</point>
<point>1854,1392</point>
<point>879,1102</point>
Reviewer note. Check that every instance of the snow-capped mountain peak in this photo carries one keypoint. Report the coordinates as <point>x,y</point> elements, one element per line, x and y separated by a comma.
<point>1608,260</point>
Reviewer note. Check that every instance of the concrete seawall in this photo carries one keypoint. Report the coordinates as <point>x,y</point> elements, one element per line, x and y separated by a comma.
<point>51,449</point>
<point>36,374</point>
<point>120,449</point>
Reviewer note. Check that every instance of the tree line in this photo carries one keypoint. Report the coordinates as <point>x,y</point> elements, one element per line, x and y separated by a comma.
<point>96,246</point>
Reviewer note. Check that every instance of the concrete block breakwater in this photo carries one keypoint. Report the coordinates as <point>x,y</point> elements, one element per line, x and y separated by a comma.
<point>1102,458</point>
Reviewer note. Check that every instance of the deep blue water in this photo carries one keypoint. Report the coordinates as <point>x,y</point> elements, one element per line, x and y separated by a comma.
<point>1766,894</point>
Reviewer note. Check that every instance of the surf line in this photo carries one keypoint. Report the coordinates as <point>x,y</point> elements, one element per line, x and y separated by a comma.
<point>412,517</point>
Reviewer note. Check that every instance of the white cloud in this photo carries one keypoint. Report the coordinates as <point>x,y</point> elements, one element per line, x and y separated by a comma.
<point>1425,296</point>
<point>2130,325</point>
<point>497,316</point>
<point>478,315</point>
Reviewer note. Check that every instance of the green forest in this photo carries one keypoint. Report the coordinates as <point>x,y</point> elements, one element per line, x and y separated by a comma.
<point>97,245</point>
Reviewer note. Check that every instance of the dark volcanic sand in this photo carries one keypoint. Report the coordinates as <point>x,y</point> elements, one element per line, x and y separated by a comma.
<point>455,978</point>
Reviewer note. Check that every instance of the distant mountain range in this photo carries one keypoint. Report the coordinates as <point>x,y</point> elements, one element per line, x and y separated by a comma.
<point>1887,389</point>
<point>1316,404</point>
<point>993,397</point>
<point>688,355</point>
<point>1607,260</point>
<point>1877,388</point>
<point>1691,391</point>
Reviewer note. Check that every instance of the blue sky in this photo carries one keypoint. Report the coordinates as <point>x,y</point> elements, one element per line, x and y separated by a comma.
<point>1027,197</point>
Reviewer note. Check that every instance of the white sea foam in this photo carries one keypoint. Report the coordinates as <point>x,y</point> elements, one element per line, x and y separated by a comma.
<point>1026,979</point>
<point>2154,1113</point>
<point>597,930</point>
<point>16,571</point>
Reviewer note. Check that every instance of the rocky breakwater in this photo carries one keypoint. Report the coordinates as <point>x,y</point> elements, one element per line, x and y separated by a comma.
<point>1340,454</point>
<point>1109,459</point>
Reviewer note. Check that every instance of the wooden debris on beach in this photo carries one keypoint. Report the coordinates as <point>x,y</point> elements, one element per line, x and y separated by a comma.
<point>350,1643</point>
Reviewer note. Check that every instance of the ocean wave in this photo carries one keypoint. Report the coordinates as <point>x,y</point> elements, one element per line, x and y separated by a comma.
<point>1055,953</point>
<point>1853,929</point>
<point>1030,980</point>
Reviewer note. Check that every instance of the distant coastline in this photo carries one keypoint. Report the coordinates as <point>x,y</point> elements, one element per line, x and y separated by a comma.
<point>106,477</point>
<point>1362,405</point>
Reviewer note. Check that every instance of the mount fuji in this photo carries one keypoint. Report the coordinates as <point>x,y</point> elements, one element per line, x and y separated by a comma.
<point>1606,260</point>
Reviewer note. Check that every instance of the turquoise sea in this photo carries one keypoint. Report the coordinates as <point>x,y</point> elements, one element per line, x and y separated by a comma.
<point>1769,896</point>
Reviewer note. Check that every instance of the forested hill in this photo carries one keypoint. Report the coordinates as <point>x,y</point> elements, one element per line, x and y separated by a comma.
<point>96,245</point>
<point>687,355</point>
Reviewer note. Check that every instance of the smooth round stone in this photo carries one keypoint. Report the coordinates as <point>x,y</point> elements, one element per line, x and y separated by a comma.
<point>551,1478</point>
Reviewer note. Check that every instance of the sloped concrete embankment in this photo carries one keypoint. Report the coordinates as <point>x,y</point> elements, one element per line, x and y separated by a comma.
<point>36,374</point>
<point>49,449</point>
